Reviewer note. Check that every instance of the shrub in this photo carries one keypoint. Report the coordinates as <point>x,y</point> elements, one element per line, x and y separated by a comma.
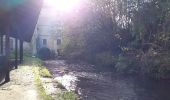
<point>128,65</point>
<point>105,59</point>
<point>27,54</point>
<point>44,53</point>
<point>52,54</point>
<point>156,64</point>
<point>74,56</point>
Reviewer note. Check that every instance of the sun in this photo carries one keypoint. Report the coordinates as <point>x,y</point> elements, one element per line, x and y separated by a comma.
<point>62,5</point>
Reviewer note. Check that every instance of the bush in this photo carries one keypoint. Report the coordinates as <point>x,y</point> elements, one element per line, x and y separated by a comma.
<point>156,64</point>
<point>44,53</point>
<point>74,56</point>
<point>52,54</point>
<point>128,65</point>
<point>105,59</point>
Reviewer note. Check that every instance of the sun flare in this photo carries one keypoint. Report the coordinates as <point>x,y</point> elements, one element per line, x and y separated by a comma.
<point>62,5</point>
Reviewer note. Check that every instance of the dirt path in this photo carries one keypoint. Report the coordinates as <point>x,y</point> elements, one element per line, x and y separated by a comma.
<point>21,86</point>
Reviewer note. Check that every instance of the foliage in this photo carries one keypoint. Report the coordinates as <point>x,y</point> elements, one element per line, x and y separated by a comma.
<point>156,64</point>
<point>45,53</point>
<point>105,59</point>
<point>52,54</point>
<point>128,29</point>
<point>127,65</point>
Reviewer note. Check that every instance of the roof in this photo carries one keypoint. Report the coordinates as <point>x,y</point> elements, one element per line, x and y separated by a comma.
<point>23,16</point>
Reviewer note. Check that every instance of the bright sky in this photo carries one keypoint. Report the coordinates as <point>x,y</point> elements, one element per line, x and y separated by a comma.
<point>62,5</point>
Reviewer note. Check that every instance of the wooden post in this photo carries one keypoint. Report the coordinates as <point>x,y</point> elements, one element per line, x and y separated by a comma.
<point>21,51</point>
<point>7,78</point>
<point>16,53</point>
<point>7,53</point>
<point>2,44</point>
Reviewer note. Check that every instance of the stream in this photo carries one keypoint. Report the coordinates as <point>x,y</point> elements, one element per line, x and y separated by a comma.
<point>94,83</point>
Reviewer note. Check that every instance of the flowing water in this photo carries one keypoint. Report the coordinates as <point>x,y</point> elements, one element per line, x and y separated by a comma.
<point>94,83</point>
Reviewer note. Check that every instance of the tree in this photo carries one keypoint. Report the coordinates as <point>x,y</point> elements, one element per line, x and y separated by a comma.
<point>137,29</point>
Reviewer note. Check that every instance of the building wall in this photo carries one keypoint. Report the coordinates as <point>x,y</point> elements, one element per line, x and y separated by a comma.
<point>26,45</point>
<point>51,42</point>
<point>49,27</point>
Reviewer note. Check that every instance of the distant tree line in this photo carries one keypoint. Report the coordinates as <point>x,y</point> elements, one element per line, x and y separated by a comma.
<point>133,36</point>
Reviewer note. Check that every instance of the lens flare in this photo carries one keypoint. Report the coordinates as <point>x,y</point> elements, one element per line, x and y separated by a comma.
<point>62,5</point>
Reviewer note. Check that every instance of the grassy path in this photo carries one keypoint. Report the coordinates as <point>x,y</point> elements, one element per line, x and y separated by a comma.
<point>33,81</point>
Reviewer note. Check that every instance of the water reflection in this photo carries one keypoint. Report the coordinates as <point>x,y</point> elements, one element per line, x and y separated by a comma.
<point>92,83</point>
<point>68,81</point>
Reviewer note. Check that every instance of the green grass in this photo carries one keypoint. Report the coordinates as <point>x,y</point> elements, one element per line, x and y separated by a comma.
<point>67,96</point>
<point>41,71</point>
<point>39,85</point>
<point>44,72</point>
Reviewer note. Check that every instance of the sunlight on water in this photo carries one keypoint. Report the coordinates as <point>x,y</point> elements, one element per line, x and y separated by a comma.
<point>68,81</point>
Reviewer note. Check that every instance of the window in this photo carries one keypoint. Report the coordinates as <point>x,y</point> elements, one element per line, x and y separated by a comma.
<point>58,41</point>
<point>11,44</point>
<point>44,42</point>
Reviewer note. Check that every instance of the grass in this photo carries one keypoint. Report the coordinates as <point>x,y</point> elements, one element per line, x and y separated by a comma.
<point>39,85</point>
<point>41,71</point>
<point>44,72</point>
<point>68,96</point>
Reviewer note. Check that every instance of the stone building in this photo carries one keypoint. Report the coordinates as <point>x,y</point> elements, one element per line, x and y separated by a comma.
<point>48,32</point>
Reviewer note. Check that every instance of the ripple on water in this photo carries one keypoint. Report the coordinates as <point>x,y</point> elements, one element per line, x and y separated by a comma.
<point>94,84</point>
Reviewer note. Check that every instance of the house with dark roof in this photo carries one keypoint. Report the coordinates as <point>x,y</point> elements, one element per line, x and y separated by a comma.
<point>47,33</point>
<point>18,19</point>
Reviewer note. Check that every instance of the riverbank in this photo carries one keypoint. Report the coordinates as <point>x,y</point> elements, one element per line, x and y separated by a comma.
<point>33,81</point>
<point>93,83</point>
<point>48,87</point>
